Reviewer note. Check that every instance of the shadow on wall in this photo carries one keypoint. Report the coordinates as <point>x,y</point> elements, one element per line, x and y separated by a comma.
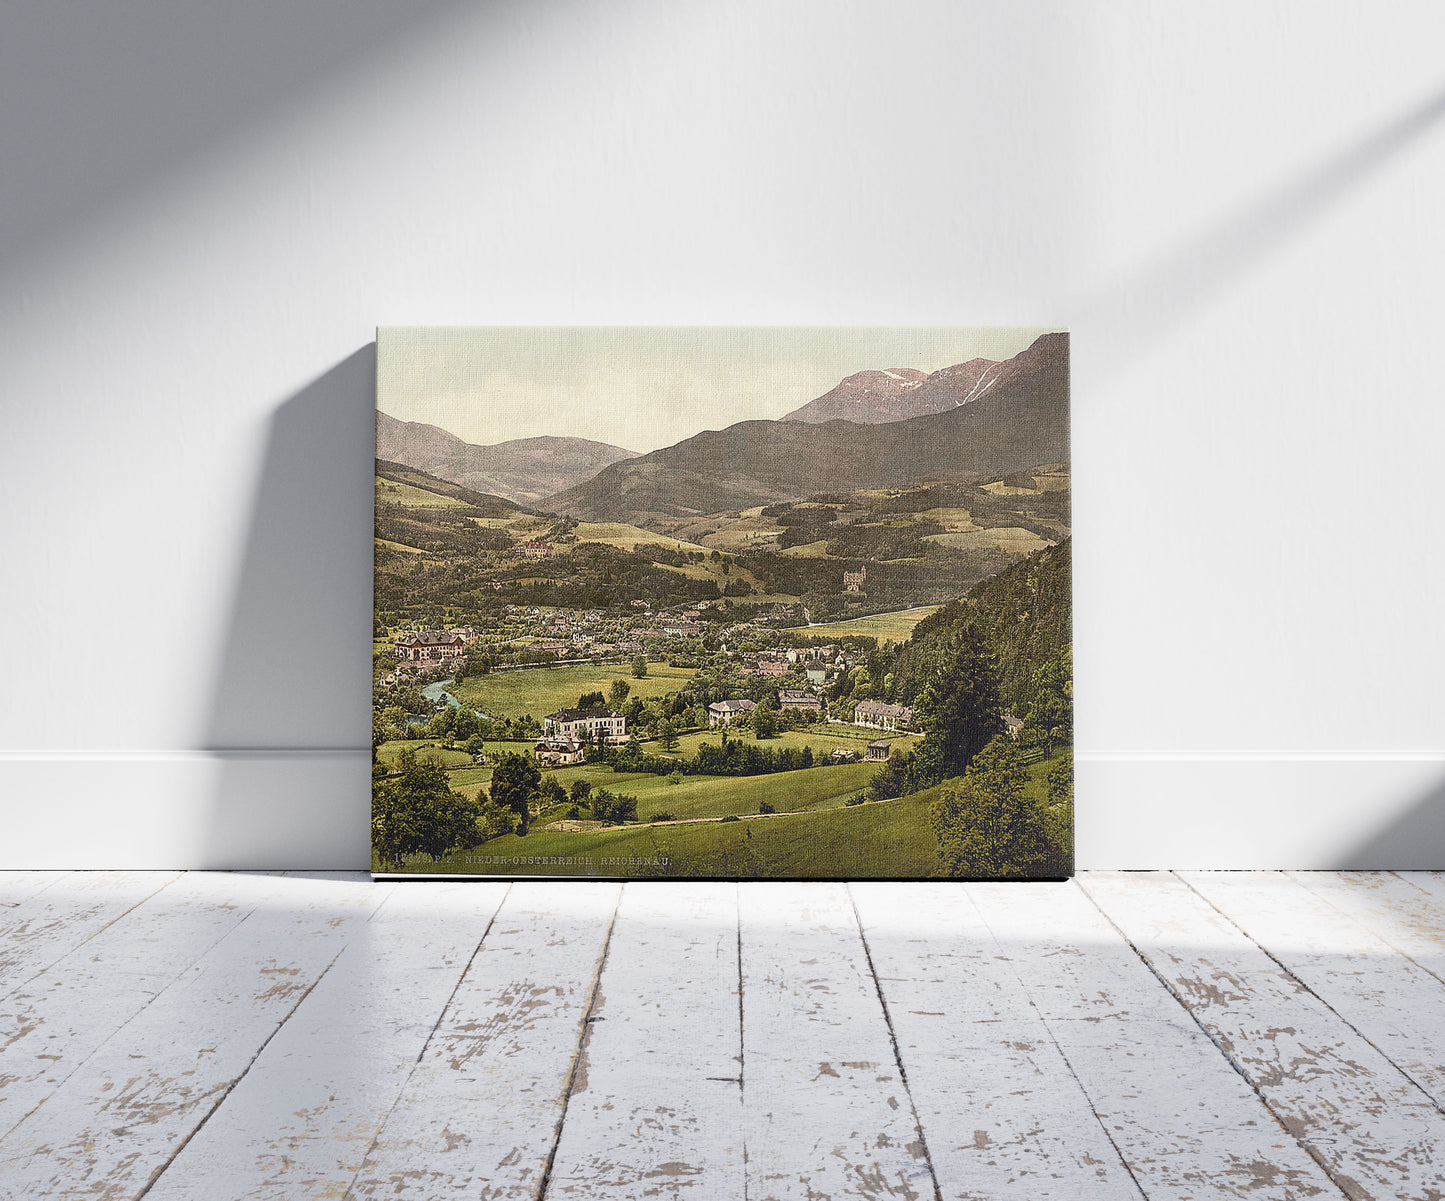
<point>1413,841</point>
<point>117,97</point>
<point>289,717</point>
<point>1152,303</point>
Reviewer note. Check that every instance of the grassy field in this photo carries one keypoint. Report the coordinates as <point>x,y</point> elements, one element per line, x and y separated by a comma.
<point>894,627</point>
<point>823,841</point>
<point>950,518</point>
<point>1010,538</point>
<point>735,533</point>
<point>388,492</point>
<point>544,690</point>
<point>823,739</point>
<point>809,550</point>
<point>890,838</point>
<point>401,546</point>
<point>628,537</point>
<point>389,752</point>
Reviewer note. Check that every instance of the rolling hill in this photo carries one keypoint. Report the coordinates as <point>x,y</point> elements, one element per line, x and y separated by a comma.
<point>522,470</point>
<point>399,484</point>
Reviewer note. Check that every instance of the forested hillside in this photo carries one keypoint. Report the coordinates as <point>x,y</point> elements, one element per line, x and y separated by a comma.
<point>1025,614</point>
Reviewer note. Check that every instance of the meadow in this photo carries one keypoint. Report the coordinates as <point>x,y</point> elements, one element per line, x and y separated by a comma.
<point>1010,538</point>
<point>882,839</point>
<point>824,739</point>
<point>390,492</point>
<point>813,835</point>
<point>543,690</point>
<point>886,627</point>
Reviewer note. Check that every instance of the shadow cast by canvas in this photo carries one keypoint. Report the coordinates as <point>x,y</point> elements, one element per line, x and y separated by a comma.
<point>288,719</point>
<point>1414,841</point>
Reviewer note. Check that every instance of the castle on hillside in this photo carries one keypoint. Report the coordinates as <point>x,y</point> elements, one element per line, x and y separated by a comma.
<point>853,580</point>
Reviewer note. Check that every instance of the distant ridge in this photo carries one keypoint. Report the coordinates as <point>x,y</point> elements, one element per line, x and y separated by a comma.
<point>1015,420</point>
<point>523,470</point>
<point>898,393</point>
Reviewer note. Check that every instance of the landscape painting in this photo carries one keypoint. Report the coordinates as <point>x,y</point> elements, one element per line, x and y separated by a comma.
<point>742,603</point>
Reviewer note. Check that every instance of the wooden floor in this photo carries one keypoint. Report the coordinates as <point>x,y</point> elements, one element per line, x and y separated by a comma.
<point>1189,1035</point>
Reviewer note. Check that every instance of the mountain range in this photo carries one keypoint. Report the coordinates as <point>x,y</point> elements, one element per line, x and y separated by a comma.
<point>1015,417</point>
<point>898,393</point>
<point>883,428</point>
<point>523,470</point>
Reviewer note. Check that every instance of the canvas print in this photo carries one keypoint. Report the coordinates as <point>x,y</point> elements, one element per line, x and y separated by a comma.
<point>749,603</point>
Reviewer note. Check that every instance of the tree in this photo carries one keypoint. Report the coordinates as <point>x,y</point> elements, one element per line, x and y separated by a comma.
<point>514,783</point>
<point>765,721</point>
<point>895,778</point>
<point>986,827</point>
<point>667,734</point>
<point>492,820</point>
<point>613,808</point>
<point>959,710</point>
<point>1052,709</point>
<point>416,811</point>
<point>464,724</point>
<point>618,693</point>
<point>590,700</point>
<point>580,790</point>
<point>550,792</point>
<point>380,732</point>
<point>639,667</point>
<point>1061,797</point>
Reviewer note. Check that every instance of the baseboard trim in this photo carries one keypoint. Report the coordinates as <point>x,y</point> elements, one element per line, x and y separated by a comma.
<point>297,808</point>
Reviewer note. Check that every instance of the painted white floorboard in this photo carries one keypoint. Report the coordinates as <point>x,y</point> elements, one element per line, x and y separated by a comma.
<point>299,1124</point>
<point>121,1117</point>
<point>1405,909</point>
<point>656,1105</point>
<point>49,924</point>
<point>54,1022</point>
<point>1186,1124</point>
<point>1271,1036</point>
<point>479,1116</point>
<point>1392,1002</point>
<point>1378,1134</point>
<point>1001,1113</point>
<point>15,887</point>
<point>827,1112</point>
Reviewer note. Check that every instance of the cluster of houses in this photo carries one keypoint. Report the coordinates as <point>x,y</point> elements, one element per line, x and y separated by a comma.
<point>430,650</point>
<point>567,733</point>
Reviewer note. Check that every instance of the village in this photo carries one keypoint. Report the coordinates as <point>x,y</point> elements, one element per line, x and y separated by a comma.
<point>795,675</point>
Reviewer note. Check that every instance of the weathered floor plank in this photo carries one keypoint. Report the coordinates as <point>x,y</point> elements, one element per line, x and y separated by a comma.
<point>1404,909</point>
<point>1375,1131</point>
<point>118,1119</point>
<point>1392,1002</point>
<point>300,1122</point>
<point>49,924</point>
<point>480,1114</point>
<point>191,1036</point>
<point>826,1110</point>
<point>656,1108</point>
<point>51,1024</point>
<point>1186,1124</point>
<point>18,886</point>
<point>1002,1114</point>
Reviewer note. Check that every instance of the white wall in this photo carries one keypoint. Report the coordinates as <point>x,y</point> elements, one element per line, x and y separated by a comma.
<point>206,208</point>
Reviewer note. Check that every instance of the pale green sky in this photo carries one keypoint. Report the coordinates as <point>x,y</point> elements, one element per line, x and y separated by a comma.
<point>644,387</point>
